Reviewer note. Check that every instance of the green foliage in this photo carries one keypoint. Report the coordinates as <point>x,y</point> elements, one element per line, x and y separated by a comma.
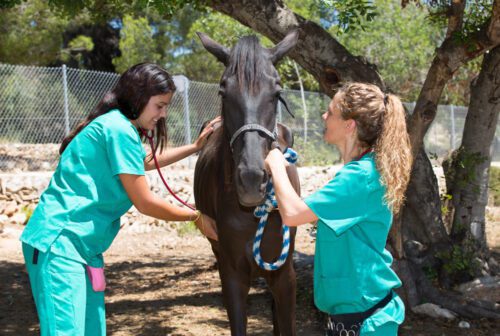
<point>444,207</point>
<point>27,211</point>
<point>186,229</point>
<point>76,47</point>
<point>468,163</point>
<point>494,185</point>
<point>400,42</point>
<point>30,34</point>
<point>136,44</point>
<point>81,42</point>
<point>103,9</point>
<point>476,14</point>
<point>431,273</point>
<point>42,84</point>
<point>198,64</point>
<point>315,152</point>
<point>9,3</point>
<point>459,261</point>
<point>351,15</point>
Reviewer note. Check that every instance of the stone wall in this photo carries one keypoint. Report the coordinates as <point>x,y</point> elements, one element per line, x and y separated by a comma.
<point>20,190</point>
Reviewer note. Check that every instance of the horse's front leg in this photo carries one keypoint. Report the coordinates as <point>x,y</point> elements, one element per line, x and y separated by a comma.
<point>235,288</point>
<point>283,287</point>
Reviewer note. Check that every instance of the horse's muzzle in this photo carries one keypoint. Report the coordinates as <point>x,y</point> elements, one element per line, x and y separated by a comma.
<point>251,186</point>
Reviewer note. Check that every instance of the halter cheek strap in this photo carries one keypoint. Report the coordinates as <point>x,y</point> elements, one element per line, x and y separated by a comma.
<point>253,127</point>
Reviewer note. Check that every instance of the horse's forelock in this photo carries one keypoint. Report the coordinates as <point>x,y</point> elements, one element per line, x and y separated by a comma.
<point>247,62</point>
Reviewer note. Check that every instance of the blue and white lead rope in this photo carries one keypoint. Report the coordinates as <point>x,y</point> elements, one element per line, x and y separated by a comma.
<point>262,212</point>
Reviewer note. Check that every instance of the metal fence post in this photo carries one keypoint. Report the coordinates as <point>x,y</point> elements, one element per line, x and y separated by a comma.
<point>452,117</point>
<point>304,105</point>
<point>66,105</point>
<point>187,122</point>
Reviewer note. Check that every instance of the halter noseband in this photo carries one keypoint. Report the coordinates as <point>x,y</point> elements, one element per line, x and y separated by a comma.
<point>253,127</point>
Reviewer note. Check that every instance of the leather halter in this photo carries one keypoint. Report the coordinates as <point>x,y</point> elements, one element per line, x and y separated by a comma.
<point>253,127</point>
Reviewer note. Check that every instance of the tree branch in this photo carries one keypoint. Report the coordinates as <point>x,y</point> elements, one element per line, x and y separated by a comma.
<point>317,51</point>
<point>450,56</point>
<point>456,17</point>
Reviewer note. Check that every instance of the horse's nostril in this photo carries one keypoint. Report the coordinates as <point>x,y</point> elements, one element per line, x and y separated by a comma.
<point>255,177</point>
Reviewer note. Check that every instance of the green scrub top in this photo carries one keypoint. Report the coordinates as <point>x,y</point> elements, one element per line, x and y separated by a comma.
<point>78,215</point>
<point>352,270</point>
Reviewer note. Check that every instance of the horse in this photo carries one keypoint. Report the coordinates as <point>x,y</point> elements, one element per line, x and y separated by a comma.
<point>230,178</point>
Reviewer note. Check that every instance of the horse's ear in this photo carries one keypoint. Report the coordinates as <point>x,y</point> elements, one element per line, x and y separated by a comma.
<point>285,136</point>
<point>215,48</point>
<point>279,50</point>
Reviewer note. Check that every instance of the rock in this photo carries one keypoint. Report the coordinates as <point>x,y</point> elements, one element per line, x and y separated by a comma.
<point>29,197</point>
<point>414,248</point>
<point>10,208</point>
<point>45,165</point>
<point>433,310</point>
<point>484,288</point>
<point>3,219</point>
<point>17,198</point>
<point>464,325</point>
<point>19,218</point>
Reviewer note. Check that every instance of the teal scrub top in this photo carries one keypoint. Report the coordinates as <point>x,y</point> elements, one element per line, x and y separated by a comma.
<point>78,215</point>
<point>352,268</point>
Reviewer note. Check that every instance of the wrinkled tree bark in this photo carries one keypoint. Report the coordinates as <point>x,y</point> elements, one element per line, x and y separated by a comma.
<point>330,63</point>
<point>468,175</point>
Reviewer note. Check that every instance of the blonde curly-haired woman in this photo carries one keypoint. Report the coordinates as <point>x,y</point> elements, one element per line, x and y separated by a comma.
<point>353,279</point>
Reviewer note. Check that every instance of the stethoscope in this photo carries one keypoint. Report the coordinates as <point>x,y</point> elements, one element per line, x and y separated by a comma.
<point>150,136</point>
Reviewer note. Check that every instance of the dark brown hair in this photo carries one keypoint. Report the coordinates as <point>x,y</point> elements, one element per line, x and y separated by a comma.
<point>130,95</point>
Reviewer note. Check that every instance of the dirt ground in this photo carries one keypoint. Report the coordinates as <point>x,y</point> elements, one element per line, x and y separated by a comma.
<point>163,281</point>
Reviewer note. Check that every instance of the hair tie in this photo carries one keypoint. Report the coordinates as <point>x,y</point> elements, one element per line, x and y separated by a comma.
<point>386,98</point>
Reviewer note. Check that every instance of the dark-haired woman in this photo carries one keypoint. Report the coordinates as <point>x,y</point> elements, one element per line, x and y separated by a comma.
<point>100,175</point>
<point>353,279</point>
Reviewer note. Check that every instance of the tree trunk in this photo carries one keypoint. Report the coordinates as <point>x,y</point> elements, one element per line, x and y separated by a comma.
<point>469,171</point>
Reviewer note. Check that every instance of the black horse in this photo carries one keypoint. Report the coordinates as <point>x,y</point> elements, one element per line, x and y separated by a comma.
<point>230,178</point>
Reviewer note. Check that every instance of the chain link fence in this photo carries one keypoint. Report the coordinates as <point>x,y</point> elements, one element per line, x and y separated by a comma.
<point>41,105</point>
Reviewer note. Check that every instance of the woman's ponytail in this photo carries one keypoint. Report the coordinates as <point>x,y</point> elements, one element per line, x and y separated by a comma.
<point>381,125</point>
<point>393,154</point>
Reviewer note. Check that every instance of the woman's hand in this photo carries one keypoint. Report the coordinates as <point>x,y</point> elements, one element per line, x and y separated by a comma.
<point>202,138</point>
<point>275,159</point>
<point>207,226</point>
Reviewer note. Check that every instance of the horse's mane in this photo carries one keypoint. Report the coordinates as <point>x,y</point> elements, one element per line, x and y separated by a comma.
<point>247,63</point>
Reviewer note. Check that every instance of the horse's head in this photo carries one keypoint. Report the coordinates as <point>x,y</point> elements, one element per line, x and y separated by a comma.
<point>250,88</point>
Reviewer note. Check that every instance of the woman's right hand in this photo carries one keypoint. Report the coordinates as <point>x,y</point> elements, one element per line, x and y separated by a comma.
<point>207,227</point>
<point>274,159</point>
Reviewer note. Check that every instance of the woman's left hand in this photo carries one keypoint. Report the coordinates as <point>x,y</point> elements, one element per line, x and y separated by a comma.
<point>202,138</point>
<point>207,226</point>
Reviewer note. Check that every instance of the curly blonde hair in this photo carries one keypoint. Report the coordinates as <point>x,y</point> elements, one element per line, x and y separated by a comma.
<point>381,125</point>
